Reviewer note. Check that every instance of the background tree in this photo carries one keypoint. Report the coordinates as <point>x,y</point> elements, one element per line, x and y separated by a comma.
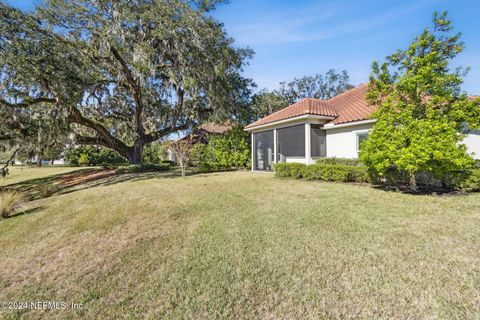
<point>422,112</point>
<point>318,86</point>
<point>266,102</point>
<point>124,73</point>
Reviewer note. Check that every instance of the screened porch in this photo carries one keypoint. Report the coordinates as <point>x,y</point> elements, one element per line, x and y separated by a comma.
<point>296,143</point>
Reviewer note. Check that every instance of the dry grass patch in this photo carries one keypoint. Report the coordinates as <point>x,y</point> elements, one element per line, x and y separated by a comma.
<point>10,201</point>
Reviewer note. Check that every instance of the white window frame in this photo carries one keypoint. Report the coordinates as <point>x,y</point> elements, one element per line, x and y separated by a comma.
<point>357,138</point>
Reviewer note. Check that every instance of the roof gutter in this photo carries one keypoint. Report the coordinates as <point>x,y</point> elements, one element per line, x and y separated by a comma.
<point>348,124</point>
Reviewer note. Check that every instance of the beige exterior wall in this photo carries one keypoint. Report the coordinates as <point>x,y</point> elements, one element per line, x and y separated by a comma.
<point>342,142</point>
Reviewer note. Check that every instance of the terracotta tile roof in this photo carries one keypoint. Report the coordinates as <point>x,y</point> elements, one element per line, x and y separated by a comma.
<point>352,105</point>
<point>346,107</point>
<point>212,127</point>
<point>200,135</point>
<point>303,107</point>
<point>349,106</point>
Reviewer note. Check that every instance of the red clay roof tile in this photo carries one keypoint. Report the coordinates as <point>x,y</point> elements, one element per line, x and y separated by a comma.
<point>346,107</point>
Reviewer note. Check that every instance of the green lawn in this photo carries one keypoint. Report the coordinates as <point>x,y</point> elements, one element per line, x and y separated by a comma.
<point>239,245</point>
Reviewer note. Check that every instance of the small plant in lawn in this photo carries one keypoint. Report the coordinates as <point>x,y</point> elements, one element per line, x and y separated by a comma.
<point>10,200</point>
<point>182,149</point>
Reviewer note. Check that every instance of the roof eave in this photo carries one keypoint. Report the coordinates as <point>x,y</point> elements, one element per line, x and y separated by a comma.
<point>283,121</point>
<point>348,124</point>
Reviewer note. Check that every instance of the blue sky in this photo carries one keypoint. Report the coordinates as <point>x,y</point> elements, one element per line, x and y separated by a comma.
<point>304,37</point>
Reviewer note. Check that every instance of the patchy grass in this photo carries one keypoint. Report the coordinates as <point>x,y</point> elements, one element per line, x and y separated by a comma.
<point>242,245</point>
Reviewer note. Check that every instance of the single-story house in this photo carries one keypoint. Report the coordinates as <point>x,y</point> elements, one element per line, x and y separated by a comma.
<point>200,135</point>
<point>314,128</point>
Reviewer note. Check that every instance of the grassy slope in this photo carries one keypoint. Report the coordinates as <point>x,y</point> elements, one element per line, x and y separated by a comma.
<point>244,245</point>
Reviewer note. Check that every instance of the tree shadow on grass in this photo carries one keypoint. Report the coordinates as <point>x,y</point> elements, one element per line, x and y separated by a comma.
<point>26,212</point>
<point>444,192</point>
<point>82,179</point>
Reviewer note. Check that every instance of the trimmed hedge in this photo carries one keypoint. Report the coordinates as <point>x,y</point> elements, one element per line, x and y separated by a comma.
<point>324,172</point>
<point>289,170</point>
<point>344,161</point>
<point>352,173</point>
<point>147,167</point>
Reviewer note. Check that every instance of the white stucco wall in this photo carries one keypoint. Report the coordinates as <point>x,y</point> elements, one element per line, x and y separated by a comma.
<point>297,160</point>
<point>472,141</point>
<point>342,142</point>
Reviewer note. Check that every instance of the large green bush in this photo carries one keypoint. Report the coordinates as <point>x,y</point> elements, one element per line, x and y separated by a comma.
<point>154,153</point>
<point>92,156</point>
<point>421,112</point>
<point>324,172</point>
<point>223,152</point>
<point>99,156</point>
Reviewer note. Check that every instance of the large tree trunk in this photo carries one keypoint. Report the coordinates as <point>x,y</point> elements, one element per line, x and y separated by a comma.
<point>137,151</point>
<point>413,182</point>
<point>134,154</point>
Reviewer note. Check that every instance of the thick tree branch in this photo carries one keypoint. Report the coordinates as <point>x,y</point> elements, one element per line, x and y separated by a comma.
<point>161,133</point>
<point>2,170</point>
<point>105,136</point>
<point>27,102</point>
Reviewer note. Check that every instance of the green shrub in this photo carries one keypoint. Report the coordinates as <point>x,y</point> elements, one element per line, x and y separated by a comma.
<point>344,161</point>
<point>153,153</point>
<point>472,183</point>
<point>92,156</point>
<point>289,170</point>
<point>147,167</point>
<point>324,172</point>
<point>336,172</point>
<point>9,201</point>
<point>223,152</point>
<point>169,162</point>
<point>83,160</point>
<point>359,174</point>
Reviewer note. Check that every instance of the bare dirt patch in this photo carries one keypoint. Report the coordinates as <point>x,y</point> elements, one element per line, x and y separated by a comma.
<point>83,177</point>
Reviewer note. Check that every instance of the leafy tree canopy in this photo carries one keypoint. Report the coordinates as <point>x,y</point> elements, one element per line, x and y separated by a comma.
<point>318,86</point>
<point>120,74</point>
<point>422,112</point>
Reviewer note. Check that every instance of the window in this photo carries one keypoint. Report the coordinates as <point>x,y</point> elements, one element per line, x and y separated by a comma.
<point>290,142</point>
<point>361,137</point>
<point>318,141</point>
